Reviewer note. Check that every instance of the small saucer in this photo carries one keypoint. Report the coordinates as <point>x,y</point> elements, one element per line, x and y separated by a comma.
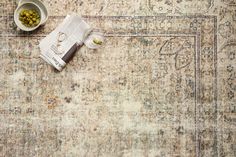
<point>42,6</point>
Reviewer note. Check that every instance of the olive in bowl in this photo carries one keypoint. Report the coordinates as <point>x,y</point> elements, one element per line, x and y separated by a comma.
<point>29,18</point>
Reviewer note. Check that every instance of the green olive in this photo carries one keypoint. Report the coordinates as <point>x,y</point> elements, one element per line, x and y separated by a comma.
<point>37,21</point>
<point>97,41</point>
<point>29,18</point>
<point>21,18</point>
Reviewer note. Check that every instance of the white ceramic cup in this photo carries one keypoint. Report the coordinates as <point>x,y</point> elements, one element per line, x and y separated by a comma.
<point>28,6</point>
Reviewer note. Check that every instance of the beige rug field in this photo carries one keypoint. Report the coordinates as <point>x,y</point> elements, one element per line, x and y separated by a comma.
<point>162,85</point>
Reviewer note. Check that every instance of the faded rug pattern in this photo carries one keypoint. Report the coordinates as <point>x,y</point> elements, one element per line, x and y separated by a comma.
<point>162,85</point>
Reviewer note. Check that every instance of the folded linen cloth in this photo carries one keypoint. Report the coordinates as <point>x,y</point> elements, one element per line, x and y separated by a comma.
<point>60,45</point>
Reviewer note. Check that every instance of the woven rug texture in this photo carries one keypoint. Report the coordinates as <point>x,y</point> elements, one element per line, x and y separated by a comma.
<point>163,84</point>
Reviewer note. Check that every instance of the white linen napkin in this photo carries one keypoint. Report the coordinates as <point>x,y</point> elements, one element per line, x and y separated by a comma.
<point>70,34</point>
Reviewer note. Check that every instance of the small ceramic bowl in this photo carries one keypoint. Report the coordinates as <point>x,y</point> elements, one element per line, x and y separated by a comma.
<point>27,6</point>
<point>42,6</point>
<point>94,35</point>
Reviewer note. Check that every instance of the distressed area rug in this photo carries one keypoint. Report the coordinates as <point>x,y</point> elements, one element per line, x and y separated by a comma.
<point>162,85</point>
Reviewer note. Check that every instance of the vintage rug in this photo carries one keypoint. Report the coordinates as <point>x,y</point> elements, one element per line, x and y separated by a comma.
<point>162,85</point>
